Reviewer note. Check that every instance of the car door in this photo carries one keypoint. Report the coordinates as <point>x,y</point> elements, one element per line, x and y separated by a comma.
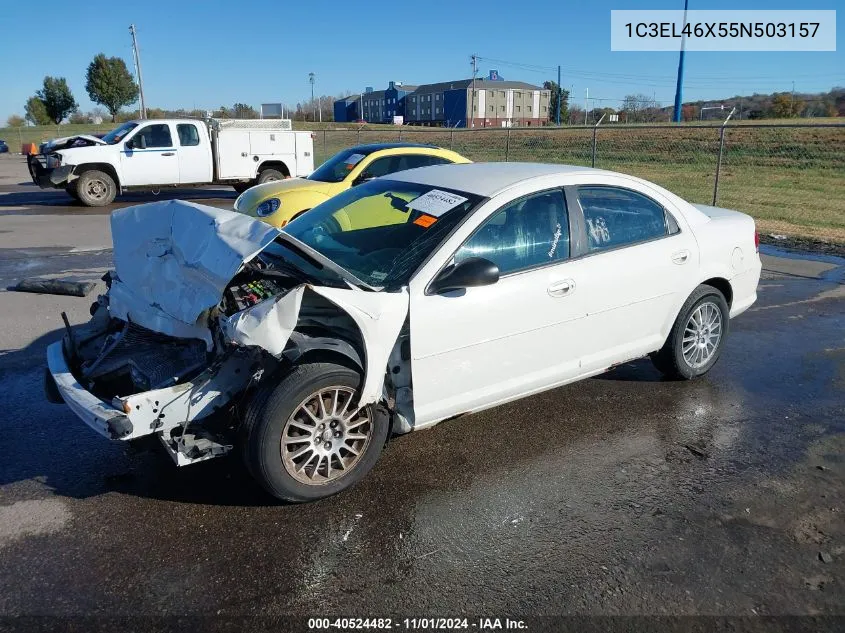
<point>194,155</point>
<point>639,265</point>
<point>155,163</point>
<point>480,346</point>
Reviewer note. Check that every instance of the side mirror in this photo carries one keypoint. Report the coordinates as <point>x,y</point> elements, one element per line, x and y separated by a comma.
<point>470,273</point>
<point>139,142</point>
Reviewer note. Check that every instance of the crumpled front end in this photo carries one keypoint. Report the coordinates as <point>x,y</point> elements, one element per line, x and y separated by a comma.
<point>189,326</point>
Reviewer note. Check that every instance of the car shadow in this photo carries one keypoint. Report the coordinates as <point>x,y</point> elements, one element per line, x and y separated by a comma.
<point>41,198</point>
<point>639,370</point>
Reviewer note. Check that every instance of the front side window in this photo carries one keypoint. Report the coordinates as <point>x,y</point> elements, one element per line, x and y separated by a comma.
<point>383,230</point>
<point>530,232</point>
<point>618,217</point>
<point>157,135</point>
<point>188,134</point>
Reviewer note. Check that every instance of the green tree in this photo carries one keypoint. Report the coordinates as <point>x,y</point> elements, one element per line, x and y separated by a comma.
<point>785,107</point>
<point>16,120</point>
<point>110,84</point>
<point>36,112</point>
<point>57,98</point>
<point>244,111</point>
<point>564,101</point>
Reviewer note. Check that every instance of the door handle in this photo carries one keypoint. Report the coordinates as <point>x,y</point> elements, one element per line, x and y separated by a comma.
<point>681,257</point>
<point>169,154</point>
<point>561,288</point>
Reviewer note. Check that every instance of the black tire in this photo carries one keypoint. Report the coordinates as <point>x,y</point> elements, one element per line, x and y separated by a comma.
<point>95,188</point>
<point>670,360</point>
<point>268,416</point>
<point>269,175</point>
<point>71,191</point>
<point>242,186</point>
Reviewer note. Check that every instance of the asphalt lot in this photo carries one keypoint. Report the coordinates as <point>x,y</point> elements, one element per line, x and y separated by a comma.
<point>619,495</point>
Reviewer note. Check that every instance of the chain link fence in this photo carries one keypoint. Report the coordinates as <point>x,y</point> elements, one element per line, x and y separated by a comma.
<point>783,173</point>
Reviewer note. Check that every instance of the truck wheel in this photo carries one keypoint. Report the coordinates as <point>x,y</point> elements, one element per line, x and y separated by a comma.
<point>95,188</point>
<point>697,337</point>
<point>269,175</point>
<point>305,438</point>
<point>71,191</point>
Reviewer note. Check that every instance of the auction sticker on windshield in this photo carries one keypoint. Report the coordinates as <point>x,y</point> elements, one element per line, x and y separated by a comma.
<point>436,202</point>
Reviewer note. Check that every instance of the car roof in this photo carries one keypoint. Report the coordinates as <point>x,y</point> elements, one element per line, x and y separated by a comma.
<point>376,147</point>
<point>486,179</point>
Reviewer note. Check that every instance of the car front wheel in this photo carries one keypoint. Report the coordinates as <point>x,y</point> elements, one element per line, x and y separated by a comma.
<point>307,438</point>
<point>697,336</point>
<point>95,188</point>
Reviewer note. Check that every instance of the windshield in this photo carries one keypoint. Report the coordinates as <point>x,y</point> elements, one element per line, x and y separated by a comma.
<point>382,231</point>
<point>116,135</point>
<point>338,166</point>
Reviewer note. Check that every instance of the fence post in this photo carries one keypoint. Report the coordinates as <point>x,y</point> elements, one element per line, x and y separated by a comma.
<point>451,138</point>
<point>400,134</point>
<point>595,131</point>
<point>719,158</point>
<point>358,139</point>
<point>325,144</point>
<point>507,145</point>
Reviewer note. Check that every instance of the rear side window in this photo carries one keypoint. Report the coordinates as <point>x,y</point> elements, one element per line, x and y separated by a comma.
<point>418,160</point>
<point>188,134</point>
<point>530,232</point>
<point>618,217</point>
<point>157,135</point>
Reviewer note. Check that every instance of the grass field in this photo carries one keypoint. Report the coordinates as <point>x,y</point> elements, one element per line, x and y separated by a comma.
<point>791,179</point>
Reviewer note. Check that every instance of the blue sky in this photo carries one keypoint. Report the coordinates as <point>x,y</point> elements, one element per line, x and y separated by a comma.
<point>215,53</point>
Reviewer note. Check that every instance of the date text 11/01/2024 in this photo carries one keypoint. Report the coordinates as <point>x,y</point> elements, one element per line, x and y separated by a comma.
<point>423,624</point>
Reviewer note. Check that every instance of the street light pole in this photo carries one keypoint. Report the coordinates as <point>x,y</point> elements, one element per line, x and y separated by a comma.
<point>137,56</point>
<point>311,78</point>
<point>679,88</point>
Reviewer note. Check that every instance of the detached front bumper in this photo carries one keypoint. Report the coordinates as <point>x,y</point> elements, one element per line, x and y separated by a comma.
<point>103,418</point>
<point>48,177</point>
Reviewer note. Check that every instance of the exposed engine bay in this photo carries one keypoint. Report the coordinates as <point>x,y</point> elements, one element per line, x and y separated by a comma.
<point>196,318</point>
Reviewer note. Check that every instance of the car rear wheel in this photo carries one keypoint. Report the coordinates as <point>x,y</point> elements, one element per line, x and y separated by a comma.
<point>697,336</point>
<point>95,188</point>
<point>71,191</point>
<point>242,186</point>
<point>270,175</point>
<point>306,437</point>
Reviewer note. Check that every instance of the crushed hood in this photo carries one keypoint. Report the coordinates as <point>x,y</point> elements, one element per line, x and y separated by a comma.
<point>80,140</point>
<point>173,260</point>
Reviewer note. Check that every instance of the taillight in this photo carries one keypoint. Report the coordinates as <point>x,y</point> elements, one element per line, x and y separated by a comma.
<point>756,241</point>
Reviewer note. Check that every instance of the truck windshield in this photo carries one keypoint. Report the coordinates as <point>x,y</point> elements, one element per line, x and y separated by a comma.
<point>115,136</point>
<point>338,166</point>
<point>382,231</point>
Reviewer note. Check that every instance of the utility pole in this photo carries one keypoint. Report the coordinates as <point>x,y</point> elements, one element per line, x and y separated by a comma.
<point>474,63</point>
<point>559,95</point>
<point>137,56</point>
<point>679,88</point>
<point>586,100</point>
<point>311,78</point>
<point>792,100</point>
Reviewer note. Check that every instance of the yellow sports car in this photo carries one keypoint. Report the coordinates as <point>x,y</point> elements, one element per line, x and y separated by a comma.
<point>279,202</point>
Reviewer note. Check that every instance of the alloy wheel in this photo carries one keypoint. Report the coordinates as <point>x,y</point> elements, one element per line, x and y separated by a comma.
<point>325,436</point>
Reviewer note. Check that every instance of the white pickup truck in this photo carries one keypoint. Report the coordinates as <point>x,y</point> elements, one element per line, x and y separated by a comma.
<point>159,153</point>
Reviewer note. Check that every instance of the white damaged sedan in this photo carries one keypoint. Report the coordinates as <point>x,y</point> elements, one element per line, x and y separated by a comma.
<point>398,304</point>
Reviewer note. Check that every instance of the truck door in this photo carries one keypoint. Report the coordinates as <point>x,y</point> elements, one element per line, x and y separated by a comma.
<point>194,154</point>
<point>152,161</point>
